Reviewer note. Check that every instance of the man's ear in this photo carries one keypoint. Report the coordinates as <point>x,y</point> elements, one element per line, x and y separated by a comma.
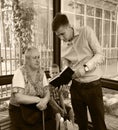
<point>69,25</point>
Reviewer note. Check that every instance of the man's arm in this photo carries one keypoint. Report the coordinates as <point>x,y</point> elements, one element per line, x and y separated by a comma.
<point>98,56</point>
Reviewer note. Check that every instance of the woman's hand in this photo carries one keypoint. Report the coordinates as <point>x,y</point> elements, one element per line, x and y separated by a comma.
<point>42,105</point>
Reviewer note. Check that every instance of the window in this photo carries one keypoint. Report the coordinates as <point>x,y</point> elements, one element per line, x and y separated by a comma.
<point>103,22</point>
<point>98,13</point>
<point>98,23</point>
<point>16,35</point>
<point>90,11</point>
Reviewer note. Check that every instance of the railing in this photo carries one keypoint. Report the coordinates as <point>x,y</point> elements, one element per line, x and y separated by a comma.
<point>5,87</point>
<point>110,84</point>
<point>5,84</point>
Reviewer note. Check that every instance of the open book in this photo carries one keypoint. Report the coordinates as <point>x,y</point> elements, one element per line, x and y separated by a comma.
<point>63,77</point>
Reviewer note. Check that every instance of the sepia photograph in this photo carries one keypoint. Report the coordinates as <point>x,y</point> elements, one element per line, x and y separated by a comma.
<point>58,64</point>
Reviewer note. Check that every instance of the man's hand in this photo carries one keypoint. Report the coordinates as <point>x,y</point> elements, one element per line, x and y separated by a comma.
<point>80,71</point>
<point>42,105</point>
<point>74,76</point>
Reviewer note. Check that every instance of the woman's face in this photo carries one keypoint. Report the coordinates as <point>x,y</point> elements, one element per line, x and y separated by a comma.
<point>34,60</point>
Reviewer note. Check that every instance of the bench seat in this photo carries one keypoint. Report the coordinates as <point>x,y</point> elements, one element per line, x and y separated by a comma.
<point>5,122</point>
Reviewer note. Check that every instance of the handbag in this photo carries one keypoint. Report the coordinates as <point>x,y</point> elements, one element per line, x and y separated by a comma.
<point>30,113</point>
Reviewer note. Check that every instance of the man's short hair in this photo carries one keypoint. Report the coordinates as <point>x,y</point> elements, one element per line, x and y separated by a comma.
<point>59,20</point>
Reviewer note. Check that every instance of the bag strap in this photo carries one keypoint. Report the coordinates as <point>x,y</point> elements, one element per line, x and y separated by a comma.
<point>43,118</point>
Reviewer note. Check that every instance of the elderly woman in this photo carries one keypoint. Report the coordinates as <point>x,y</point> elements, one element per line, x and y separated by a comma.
<point>28,89</point>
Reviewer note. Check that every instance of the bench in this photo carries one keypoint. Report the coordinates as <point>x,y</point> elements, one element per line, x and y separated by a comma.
<point>5,122</point>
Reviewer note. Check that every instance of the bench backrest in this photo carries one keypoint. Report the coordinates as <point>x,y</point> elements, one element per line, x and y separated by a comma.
<point>6,79</point>
<point>5,82</point>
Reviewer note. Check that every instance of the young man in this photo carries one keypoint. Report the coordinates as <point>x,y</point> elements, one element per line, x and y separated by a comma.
<point>82,52</point>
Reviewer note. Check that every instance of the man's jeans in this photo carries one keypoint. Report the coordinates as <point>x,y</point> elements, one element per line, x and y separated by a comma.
<point>89,95</point>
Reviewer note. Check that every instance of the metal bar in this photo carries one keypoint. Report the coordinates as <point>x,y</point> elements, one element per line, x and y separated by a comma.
<point>56,40</point>
<point>0,61</point>
<point>6,79</point>
<point>10,60</point>
<point>110,84</point>
<point>1,94</point>
<point>43,118</point>
<point>5,59</point>
<point>15,58</point>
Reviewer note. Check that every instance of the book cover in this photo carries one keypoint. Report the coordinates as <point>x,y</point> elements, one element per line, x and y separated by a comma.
<point>63,77</point>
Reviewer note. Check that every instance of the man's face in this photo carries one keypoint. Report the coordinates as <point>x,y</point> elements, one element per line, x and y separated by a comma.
<point>64,33</point>
<point>34,61</point>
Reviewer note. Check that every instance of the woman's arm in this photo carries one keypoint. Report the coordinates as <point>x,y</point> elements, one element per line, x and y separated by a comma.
<point>25,99</point>
<point>43,101</point>
<point>62,102</point>
<point>18,90</point>
<point>55,106</point>
<point>71,115</point>
<point>46,93</point>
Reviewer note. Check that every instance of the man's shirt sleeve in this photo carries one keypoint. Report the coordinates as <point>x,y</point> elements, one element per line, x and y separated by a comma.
<point>94,44</point>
